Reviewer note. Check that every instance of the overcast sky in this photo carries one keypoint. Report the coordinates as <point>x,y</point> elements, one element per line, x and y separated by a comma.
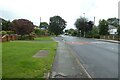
<point>69,10</point>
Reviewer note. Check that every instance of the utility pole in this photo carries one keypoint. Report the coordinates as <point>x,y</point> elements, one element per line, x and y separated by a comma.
<point>40,21</point>
<point>84,24</point>
<point>94,22</point>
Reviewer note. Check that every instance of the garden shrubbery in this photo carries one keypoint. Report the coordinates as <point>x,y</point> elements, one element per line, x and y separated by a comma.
<point>3,33</point>
<point>26,37</point>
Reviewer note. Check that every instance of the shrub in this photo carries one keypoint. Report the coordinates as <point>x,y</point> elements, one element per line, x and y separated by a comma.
<point>39,32</point>
<point>10,32</point>
<point>26,37</point>
<point>97,36</point>
<point>3,33</point>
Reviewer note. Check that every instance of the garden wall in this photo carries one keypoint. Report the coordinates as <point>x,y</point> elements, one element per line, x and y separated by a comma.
<point>7,37</point>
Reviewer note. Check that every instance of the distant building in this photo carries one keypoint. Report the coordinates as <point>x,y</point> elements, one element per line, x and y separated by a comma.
<point>112,29</point>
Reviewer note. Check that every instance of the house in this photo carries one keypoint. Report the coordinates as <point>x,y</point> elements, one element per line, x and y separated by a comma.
<point>112,29</point>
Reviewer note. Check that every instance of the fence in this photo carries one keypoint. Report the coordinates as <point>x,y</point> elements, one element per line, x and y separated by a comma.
<point>110,37</point>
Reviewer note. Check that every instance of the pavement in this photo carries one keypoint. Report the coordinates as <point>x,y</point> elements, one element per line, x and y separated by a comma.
<point>85,58</point>
<point>112,41</point>
<point>66,64</point>
<point>99,58</point>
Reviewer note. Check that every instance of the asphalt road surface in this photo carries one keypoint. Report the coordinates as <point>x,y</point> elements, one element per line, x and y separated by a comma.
<point>99,58</point>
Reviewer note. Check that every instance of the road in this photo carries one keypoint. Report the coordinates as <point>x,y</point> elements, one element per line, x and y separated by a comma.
<point>99,58</point>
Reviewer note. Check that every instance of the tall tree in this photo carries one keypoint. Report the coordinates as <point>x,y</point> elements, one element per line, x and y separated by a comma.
<point>6,25</point>
<point>89,26</point>
<point>103,27</point>
<point>81,24</point>
<point>22,26</point>
<point>57,25</point>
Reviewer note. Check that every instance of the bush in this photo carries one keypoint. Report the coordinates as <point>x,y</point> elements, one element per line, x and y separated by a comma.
<point>88,36</point>
<point>97,36</point>
<point>10,32</point>
<point>39,32</point>
<point>26,37</point>
<point>3,33</point>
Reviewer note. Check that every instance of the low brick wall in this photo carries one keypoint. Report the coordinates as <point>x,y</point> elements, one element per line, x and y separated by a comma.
<point>6,38</point>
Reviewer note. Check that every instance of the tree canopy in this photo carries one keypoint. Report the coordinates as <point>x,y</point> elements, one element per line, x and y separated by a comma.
<point>103,27</point>
<point>6,25</point>
<point>83,25</point>
<point>22,26</point>
<point>57,25</point>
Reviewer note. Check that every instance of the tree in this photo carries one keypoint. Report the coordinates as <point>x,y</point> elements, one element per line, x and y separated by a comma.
<point>95,32</point>
<point>89,26</point>
<point>6,25</point>
<point>44,25</point>
<point>72,32</point>
<point>103,27</point>
<point>56,25</point>
<point>81,24</point>
<point>22,26</point>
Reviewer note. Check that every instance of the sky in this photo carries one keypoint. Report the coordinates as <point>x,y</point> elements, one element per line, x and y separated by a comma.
<point>69,10</point>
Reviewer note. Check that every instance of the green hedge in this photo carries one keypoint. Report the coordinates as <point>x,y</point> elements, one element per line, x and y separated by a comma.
<point>26,37</point>
<point>3,33</point>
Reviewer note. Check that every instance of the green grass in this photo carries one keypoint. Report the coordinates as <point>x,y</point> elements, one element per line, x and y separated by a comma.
<point>19,63</point>
<point>43,39</point>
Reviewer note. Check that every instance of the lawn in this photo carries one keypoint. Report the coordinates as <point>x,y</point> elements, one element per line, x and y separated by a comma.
<point>43,39</point>
<point>19,63</point>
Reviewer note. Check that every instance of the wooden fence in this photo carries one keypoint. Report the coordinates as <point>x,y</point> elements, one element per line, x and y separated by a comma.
<point>110,37</point>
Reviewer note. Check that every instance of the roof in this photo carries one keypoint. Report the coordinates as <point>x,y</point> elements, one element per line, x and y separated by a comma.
<point>112,27</point>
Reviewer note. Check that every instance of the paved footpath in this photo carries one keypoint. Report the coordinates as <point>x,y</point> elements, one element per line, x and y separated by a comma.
<point>66,65</point>
<point>112,41</point>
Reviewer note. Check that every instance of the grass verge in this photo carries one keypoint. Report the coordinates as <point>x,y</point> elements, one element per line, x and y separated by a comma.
<point>17,60</point>
<point>43,39</point>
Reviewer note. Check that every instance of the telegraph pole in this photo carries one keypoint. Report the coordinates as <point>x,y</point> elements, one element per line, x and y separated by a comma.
<point>84,24</point>
<point>94,20</point>
<point>40,22</point>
